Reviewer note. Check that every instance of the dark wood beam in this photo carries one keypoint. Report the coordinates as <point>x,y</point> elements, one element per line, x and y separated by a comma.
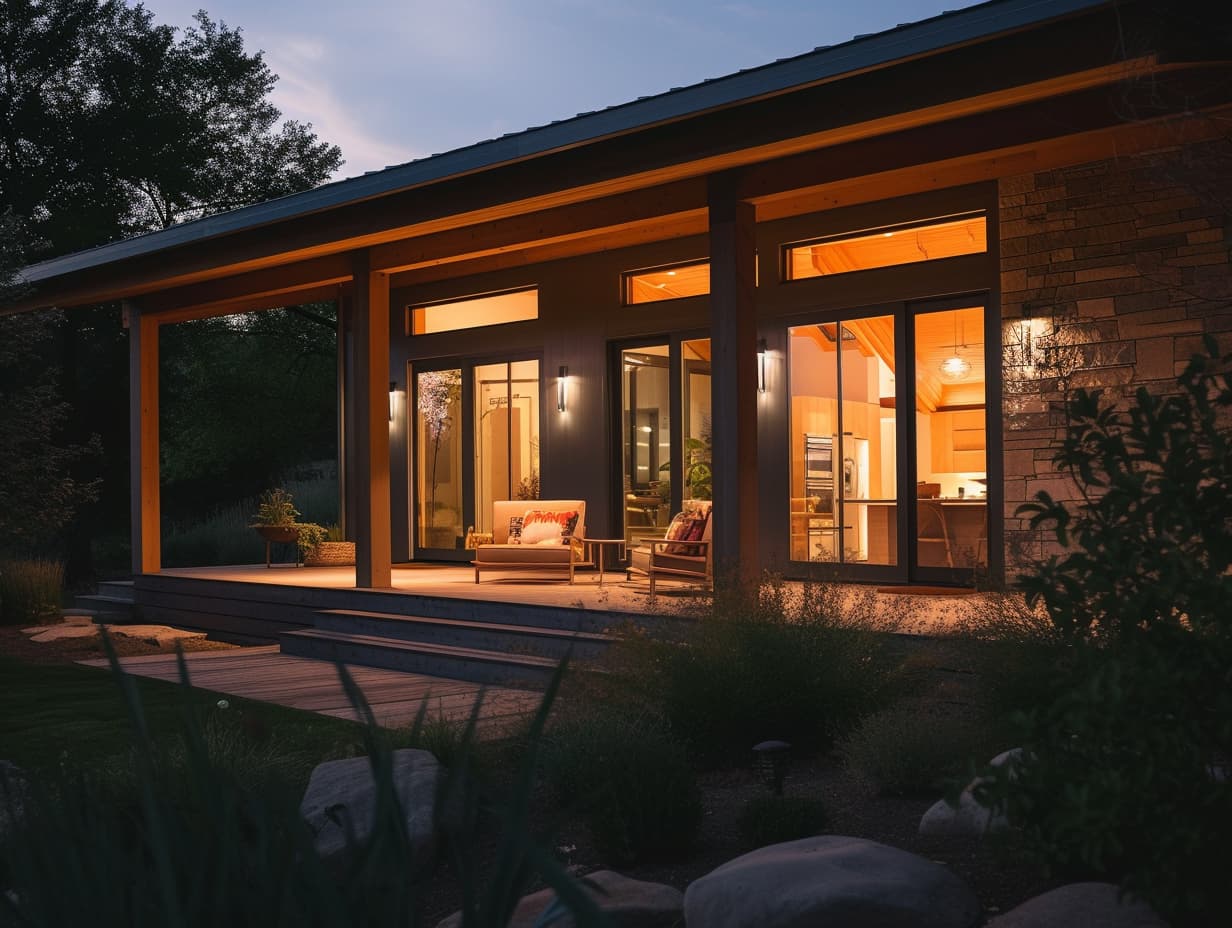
<point>287,278</point>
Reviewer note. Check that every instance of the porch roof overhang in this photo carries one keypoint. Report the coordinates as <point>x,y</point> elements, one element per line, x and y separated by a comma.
<point>962,85</point>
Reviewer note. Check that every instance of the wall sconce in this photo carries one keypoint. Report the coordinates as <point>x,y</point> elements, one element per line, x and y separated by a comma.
<point>393,398</point>
<point>761,366</point>
<point>562,388</point>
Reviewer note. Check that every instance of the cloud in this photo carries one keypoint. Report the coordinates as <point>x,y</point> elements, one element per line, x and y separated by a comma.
<point>306,93</point>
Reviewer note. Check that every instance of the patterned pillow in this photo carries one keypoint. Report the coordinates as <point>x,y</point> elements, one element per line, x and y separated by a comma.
<point>687,526</point>
<point>540,525</point>
<point>515,530</point>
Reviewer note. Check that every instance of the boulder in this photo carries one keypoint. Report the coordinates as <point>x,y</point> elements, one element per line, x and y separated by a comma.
<point>1081,905</point>
<point>830,880</point>
<point>339,804</point>
<point>628,904</point>
<point>968,817</point>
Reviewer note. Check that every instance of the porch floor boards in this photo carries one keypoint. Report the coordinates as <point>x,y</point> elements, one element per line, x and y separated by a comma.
<point>264,674</point>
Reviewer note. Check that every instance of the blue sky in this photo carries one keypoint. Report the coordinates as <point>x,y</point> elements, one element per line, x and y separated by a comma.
<point>393,80</point>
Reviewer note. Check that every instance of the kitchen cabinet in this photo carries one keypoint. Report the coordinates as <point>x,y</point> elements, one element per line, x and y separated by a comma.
<point>958,441</point>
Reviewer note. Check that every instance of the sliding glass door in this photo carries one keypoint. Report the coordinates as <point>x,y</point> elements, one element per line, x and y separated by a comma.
<point>888,465</point>
<point>476,433</point>
<point>665,432</point>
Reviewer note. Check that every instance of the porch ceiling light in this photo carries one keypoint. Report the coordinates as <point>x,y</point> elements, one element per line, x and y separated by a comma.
<point>761,366</point>
<point>562,388</point>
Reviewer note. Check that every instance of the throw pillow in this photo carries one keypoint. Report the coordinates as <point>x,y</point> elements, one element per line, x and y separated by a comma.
<point>534,533</point>
<point>515,530</point>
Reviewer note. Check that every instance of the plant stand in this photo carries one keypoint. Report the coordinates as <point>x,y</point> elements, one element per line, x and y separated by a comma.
<point>279,534</point>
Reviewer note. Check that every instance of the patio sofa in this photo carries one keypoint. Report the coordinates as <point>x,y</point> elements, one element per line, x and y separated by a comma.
<point>683,553</point>
<point>534,546</point>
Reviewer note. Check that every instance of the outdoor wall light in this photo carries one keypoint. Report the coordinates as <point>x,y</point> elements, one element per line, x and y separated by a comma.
<point>562,388</point>
<point>761,366</point>
<point>393,398</point>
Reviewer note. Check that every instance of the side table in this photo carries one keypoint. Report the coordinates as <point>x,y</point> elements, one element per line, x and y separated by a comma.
<point>595,548</point>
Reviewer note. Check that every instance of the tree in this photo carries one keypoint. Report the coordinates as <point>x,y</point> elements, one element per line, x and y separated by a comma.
<point>112,125</point>
<point>38,495</point>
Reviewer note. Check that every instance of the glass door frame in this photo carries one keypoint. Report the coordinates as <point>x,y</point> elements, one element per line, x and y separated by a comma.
<point>467,365</point>
<point>675,373</point>
<point>907,570</point>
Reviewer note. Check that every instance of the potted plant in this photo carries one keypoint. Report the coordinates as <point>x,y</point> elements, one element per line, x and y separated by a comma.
<point>328,548</point>
<point>276,515</point>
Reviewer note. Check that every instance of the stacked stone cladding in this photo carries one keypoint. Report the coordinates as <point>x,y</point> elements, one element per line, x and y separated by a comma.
<point>1123,265</point>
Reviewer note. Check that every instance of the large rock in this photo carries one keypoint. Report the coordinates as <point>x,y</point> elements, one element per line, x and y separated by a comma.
<point>628,904</point>
<point>830,880</point>
<point>1081,905</point>
<point>340,804</point>
<point>968,817</point>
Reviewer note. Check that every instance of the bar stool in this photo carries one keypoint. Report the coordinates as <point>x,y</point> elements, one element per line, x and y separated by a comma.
<point>931,528</point>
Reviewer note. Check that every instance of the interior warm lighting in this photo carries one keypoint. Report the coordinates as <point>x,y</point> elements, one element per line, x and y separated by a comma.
<point>927,240</point>
<point>655,284</point>
<point>761,366</point>
<point>393,398</point>
<point>562,388</point>
<point>474,312</point>
<point>955,368</point>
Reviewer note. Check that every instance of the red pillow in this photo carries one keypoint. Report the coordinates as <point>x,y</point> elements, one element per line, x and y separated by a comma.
<point>687,526</point>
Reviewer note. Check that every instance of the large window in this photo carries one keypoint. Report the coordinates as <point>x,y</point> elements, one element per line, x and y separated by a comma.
<point>667,283</point>
<point>473,312</point>
<point>907,243</point>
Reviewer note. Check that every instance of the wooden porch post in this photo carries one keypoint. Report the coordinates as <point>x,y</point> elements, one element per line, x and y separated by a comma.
<point>733,339</point>
<point>370,307</point>
<point>143,438</point>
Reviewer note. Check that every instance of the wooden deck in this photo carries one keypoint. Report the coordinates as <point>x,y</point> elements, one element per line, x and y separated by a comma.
<point>262,673</point>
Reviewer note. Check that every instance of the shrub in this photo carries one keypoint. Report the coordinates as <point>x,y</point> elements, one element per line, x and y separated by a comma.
<point>630,781</point>
<point>30,591</point>
<point>199,847</point>
<point>764,664</point>
<point>1118,778</point>
<point>908,750</point>
<point>775,819</point>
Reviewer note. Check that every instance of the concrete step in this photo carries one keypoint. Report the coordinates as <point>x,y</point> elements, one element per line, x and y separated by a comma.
<point>105,608</point>
<point>455,663</point>
<point>467,633</point>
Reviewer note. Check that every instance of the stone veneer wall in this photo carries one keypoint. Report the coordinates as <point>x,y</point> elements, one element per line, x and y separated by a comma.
<point>1123,265</point>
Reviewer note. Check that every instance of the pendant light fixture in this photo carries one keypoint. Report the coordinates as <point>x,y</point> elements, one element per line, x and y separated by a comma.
<point>956,368</point>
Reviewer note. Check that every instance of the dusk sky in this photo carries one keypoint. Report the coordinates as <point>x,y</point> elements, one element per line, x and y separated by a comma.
<point>394,80</point>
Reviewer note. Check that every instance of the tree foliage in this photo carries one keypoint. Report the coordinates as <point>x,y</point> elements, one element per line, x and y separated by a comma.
<point>1126,772</point>
<point>38,494</point>
<point>114,125</point>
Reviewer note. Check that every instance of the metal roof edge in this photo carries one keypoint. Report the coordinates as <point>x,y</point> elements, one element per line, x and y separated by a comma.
<point>861,53</point>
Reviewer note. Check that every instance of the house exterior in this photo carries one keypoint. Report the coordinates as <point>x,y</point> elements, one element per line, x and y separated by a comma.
<point>841,294</point>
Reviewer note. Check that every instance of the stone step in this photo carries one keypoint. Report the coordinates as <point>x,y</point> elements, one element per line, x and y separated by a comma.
<point>104,608</point>
<point>439,660</point>
<point>116,589</point>
<point>554,643</point>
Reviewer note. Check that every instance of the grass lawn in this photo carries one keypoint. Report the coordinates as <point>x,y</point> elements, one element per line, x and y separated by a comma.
<point>67,715</point>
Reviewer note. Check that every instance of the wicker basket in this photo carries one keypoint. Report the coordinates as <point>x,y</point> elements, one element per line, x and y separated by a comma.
<point>331,554</point>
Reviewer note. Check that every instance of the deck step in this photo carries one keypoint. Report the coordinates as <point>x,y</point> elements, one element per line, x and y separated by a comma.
<point>439,660</point>
<point>553,643</point>
<point>116,589</point>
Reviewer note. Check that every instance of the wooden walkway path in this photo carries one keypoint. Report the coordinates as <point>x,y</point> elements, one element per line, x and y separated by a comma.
<point>395,697</point>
